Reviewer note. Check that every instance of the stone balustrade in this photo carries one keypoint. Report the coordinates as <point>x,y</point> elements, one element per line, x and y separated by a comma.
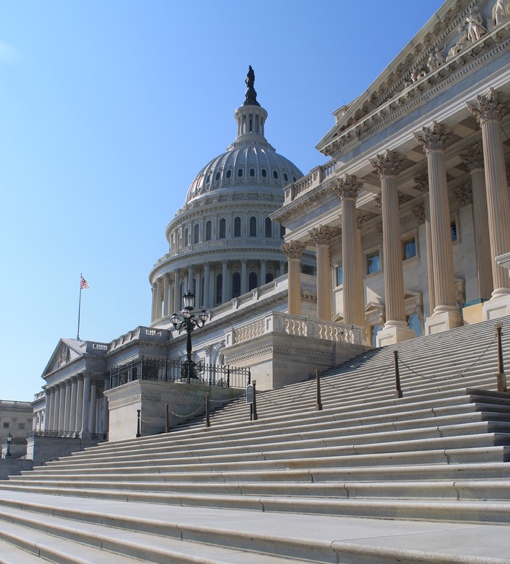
<point>284,324</point>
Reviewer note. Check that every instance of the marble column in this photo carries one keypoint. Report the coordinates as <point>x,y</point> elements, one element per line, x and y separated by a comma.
<point>207,286</point>
<point>224,282</point>
<point>105,408</point>
<point>154,295</point>
<point>166,295</point>
<point>56,411</point>
<point>177,292</point>
<point>489,110</point>
<point>293,251</point>
<point>67,407</point>
<point>244,276</point>
<point>423,181</point>
<point>361,219</point>
<point>322,236</point>
<point>473,159</point>
<point>50,407</point>
<point>159,291</point>
<point>93,405</point>
<point>86,406</point>
<point>72,411</point>
<point>347,189</point>
<point>446,315</point>
<point>388,167</point>
<point>262,272</point>
<point>79,403</point>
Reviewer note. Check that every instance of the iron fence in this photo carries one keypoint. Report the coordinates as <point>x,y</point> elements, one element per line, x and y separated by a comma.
<point>163,370</point>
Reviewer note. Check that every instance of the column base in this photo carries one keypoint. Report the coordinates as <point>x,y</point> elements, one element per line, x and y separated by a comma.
<point>443,319</point>
<point>497,306</point>
<point>85,435</point>
<point>394,332</point>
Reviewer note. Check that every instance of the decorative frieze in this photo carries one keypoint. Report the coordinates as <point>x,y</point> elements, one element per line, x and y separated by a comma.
<point>390,163</point>
<point>348,186</point>
<point>437,136</point>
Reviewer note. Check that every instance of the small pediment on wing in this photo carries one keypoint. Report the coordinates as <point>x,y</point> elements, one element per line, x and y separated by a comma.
<point>65,352</point>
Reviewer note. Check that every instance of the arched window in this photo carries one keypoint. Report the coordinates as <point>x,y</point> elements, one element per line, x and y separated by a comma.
<point>237,227</point>
<point>275,174</point>
<point>252,172</point>
<point>253,226</point>
<point>269,227</point>
<point>269,277</point>
<point>208,231</point>
<point>252,280</point>
<point>236,284</point>
<point>186,236</point>
<point>264,173</point>
<point>239,172</point>
<point>196,233</point>
<point>217,176</point>
<point>223,229</point>
<point>219,285</point>
<point>229,173</point>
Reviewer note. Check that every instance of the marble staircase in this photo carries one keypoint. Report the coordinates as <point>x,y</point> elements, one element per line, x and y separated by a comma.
<point>440,454</point>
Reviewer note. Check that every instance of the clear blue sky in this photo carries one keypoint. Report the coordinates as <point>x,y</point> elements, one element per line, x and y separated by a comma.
<point>108,109</point>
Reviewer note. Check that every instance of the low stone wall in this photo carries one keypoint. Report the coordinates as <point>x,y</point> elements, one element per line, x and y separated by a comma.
<point>184,401</point>
<point>13,466</point>
<point>44,449</point>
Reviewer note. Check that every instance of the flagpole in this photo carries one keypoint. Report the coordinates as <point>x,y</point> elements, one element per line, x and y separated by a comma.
<point>79,310</point>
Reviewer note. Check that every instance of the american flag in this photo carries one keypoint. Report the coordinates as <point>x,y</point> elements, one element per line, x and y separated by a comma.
<point>83,283</point>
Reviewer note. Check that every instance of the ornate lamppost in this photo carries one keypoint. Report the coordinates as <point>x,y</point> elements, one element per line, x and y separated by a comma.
<point>189,322</point>
<point>9,441</point>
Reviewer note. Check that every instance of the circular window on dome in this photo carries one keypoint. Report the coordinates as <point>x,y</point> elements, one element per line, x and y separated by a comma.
<point>252,172</point>
<point>217,177</point>
<point>229,173</point>
<point>275,174</point>
<point>239,172</point>
<point>264,173</point>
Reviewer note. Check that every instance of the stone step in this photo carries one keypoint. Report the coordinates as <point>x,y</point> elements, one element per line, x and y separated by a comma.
<point>11,554</point>
<point>478,433</point>
<point>55,539</point>
<point>167,492</point>
<point>312,538</point>
<point>430,472</point>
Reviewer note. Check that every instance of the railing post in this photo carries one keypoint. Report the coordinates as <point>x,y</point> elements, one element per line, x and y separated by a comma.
<point>398,389</point>
<point>207,411</point>
<point>249,376</point>
<point>318,380</point>
<point>501,376</point>
<point>167,428</point>
<point>138,423</point>
<point>228,376</point>
<point>254,404</point>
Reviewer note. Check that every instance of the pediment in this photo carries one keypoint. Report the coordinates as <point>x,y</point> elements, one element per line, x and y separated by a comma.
<point>65,352</point>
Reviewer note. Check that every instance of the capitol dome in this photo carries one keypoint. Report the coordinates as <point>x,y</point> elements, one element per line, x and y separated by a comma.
<point>222,243</point>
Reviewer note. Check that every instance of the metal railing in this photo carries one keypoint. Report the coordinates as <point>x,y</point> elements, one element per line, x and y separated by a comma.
<point>163,370</point>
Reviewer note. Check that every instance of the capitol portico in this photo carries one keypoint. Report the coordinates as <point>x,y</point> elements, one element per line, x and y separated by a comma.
<point>414,204</point>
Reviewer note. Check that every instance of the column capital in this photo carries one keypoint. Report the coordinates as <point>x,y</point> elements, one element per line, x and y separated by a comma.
<point>323,235</point>
<point>390,163</point>
<point>422,179</point>
<point>378,201</point>
<point>293,249</point>
<point>463,194</point>
<point>489,106</point>
<point>473,157</point>
<point>419,214</point>
<point>348,186</point>
<point>362,217</point>
<point>435,137</point>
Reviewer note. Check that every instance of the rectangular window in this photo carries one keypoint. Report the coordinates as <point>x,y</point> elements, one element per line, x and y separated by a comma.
<point>453,229</point>
<point>408,248</point>
<point>339,275</point>
<point>373,262</point>
<point>22,425</point>
<point>6,425</point>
